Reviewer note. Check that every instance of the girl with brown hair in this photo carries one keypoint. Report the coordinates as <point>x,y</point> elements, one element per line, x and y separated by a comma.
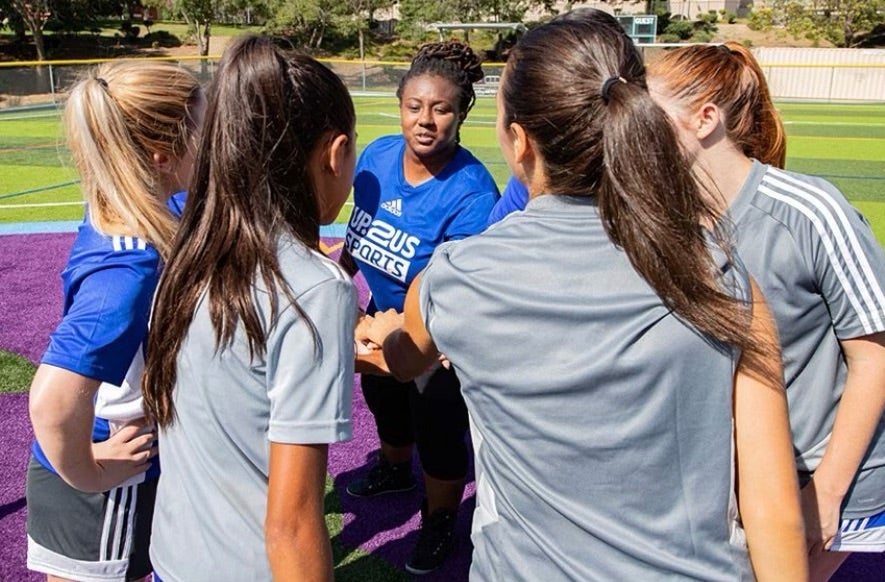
<point>250,362</point>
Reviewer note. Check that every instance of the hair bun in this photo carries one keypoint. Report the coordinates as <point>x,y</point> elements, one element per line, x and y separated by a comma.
<point>456,52</point>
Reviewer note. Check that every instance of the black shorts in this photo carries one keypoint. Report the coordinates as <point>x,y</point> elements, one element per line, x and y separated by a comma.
<point>88,537</point>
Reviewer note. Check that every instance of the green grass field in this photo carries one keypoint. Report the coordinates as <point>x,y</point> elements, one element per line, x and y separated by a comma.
<point>844,143</point>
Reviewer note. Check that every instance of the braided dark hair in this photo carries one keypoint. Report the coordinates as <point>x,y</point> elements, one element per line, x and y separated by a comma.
<point>451,60</point>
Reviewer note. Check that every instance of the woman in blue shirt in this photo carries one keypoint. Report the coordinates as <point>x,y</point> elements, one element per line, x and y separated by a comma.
<point>413,192</point>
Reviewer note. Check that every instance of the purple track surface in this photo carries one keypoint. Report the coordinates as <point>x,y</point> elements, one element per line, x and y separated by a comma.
<point>30,305</point>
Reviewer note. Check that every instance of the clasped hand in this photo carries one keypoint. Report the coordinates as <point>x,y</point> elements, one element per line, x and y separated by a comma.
<point>124,455</point>
<point>369,336</point>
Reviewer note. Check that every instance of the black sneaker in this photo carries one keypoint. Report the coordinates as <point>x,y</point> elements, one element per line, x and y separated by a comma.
<point>436,542</point>
<point>384,477</point>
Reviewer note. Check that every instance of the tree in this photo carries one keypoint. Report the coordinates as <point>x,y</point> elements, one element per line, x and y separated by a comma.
<point>245,11</point>
<point>356,16</point>
<point>198,14</point>
<point>10,18</point>
<point>617,6</point>
<point>415,14</point>
<point>77,15</point>
<point>306,21</point>
<point>34,14</point>
<point>842,22</point>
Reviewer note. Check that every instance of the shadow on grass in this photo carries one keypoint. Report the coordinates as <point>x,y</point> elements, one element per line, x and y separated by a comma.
<point>353,565</point>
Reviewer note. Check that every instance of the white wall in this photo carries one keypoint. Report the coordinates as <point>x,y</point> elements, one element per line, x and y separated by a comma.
<point>824,74</point>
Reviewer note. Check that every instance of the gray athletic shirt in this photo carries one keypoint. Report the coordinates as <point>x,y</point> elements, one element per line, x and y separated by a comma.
<point>212,496</point>
<point>823,274</point>
<point>602,423</point>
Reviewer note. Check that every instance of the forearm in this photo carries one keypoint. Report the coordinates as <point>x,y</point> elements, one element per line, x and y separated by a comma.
<point>404,359</point>
<point>408,348</point>
<point>62,414</point>
<point>859,413</point>
<point>767,487</point>
<point>295,529</point>
<point>768,492</point>
<point>776,541</point>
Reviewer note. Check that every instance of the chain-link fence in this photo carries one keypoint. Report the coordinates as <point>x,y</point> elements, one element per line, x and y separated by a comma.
<point>29,84</point>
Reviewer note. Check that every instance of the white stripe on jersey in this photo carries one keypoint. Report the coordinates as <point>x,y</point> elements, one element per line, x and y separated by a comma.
<point>332,266</point>
<point>796,194</point>
<point>124,243</point>
<point>851,234</point>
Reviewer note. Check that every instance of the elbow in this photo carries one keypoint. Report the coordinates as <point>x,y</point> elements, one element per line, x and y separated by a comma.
<point>777,518</point>
<point>284,531</point>
<point>46,416</point>
<point>276,542</point>
<point>403,373</point>
<point>295,536</point>
<point>280,537</point>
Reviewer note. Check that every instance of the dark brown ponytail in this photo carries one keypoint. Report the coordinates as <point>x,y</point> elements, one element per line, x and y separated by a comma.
<point>622,149</point>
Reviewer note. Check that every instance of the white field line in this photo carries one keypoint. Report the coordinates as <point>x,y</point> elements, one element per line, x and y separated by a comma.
<point>849,123</point>
<point>41,205</point>
<point>25,117</point>
<point>50,204</point>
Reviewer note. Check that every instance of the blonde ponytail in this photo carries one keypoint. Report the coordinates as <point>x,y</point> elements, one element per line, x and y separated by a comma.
<point>116,120</point>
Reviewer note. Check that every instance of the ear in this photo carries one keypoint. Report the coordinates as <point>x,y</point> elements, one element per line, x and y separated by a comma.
<point>163,163</point>
<point>336,154</point>
<point>707,120</point>
<point>523,148</point>
<point>527,161</point>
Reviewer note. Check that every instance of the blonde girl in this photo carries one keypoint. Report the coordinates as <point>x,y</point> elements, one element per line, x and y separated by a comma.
<point>131,127</point>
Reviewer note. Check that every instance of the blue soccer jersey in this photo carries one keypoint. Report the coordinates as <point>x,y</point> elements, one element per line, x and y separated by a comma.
<point>513,199</point>
<point>176,203</point>
<point>108,285</point>
<point>395,226</point>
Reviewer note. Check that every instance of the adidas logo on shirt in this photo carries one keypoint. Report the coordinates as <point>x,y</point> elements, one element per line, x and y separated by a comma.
<point>394,207</point>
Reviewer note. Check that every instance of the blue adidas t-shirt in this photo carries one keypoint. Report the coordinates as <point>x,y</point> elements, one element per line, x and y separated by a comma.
<point>513,199</point>
<point>395,226</point>
<point>108,285</point>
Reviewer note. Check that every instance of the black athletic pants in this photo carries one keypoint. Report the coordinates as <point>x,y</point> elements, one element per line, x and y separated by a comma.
<point>434,419</point>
